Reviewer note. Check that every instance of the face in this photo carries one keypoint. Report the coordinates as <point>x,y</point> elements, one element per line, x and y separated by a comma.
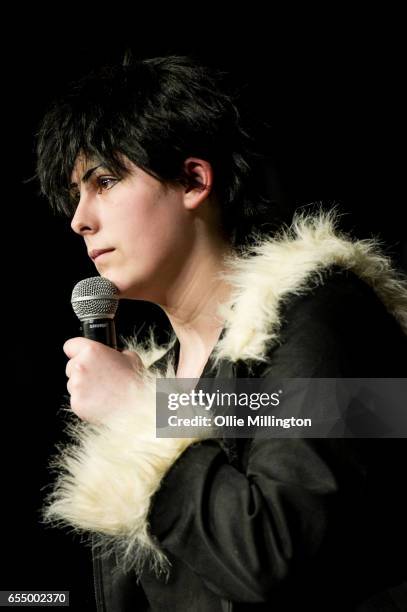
<point>143,224</point>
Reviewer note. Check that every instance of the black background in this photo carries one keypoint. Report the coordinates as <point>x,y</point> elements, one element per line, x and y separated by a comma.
<point>330,87</point>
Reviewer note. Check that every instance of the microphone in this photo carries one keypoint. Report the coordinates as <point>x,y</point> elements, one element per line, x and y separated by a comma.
<point>95,301</point>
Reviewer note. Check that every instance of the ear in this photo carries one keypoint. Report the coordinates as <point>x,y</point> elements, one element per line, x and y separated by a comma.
<point>200,171</point>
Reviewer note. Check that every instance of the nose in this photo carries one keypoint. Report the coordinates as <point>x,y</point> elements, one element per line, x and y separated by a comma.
<point>84,220</point>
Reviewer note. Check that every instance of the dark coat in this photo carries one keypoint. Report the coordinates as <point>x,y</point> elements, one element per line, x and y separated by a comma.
<point>283,524</point>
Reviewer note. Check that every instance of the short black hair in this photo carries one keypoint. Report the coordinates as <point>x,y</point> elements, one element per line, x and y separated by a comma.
<point>156,112</point>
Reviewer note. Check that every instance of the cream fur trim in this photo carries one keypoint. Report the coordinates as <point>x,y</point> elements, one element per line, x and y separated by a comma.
<point>149,351</point>
<point>279,267</point>
<point>107,478</point>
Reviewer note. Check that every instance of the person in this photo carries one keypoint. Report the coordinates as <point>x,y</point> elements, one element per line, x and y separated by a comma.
<point>157,170</point>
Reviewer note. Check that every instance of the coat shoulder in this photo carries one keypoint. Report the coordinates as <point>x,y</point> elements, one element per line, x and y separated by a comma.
<point>338,327</point>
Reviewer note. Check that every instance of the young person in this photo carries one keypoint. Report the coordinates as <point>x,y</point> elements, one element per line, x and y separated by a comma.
<point>154,166</point>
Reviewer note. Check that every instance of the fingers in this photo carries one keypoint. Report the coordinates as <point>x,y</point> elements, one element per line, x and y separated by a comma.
<point>83,353</point>
<point>71,366</point>
<point>79,351</point>
<point>73,346</point>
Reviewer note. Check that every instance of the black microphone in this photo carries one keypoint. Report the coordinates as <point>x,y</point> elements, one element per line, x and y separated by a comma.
<point>95,301</point>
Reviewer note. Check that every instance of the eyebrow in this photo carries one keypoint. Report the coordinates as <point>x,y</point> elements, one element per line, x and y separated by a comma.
<point>87,175</point>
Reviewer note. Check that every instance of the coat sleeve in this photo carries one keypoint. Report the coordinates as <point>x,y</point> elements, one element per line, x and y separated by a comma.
<point>244,531</point>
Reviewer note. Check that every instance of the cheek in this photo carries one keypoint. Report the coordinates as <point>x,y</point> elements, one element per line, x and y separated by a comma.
<point>146,262</point>
<point>156,230</point>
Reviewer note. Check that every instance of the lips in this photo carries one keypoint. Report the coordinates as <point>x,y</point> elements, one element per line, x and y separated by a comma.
<point>96,252</point>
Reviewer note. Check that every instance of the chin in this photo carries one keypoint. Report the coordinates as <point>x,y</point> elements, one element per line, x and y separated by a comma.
<point>127,290</point>
<point>131,286</point>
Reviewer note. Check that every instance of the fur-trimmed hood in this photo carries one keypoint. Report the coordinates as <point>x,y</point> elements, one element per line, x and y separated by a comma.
<point>284,265</point>
<point>108,476</point>
<point>291,263</point>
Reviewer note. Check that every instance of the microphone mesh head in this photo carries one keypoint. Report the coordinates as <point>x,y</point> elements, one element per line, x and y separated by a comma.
<point>95,298</point>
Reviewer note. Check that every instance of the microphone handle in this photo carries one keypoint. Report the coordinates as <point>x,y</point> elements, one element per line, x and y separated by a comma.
<point>100,330</point>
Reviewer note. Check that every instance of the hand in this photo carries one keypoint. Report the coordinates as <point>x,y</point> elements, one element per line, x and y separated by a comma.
<point>101,379</point>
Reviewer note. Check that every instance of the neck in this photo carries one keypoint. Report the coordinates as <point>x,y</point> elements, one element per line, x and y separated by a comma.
<point>193,301</point>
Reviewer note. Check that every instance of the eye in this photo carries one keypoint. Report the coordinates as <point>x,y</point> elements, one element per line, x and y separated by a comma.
<point>105,182</point>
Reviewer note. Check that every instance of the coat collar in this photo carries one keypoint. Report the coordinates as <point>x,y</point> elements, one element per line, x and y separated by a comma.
<point>289,263</point>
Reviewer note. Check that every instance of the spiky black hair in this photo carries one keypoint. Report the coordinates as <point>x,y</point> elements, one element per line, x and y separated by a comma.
<point>156,112</point>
